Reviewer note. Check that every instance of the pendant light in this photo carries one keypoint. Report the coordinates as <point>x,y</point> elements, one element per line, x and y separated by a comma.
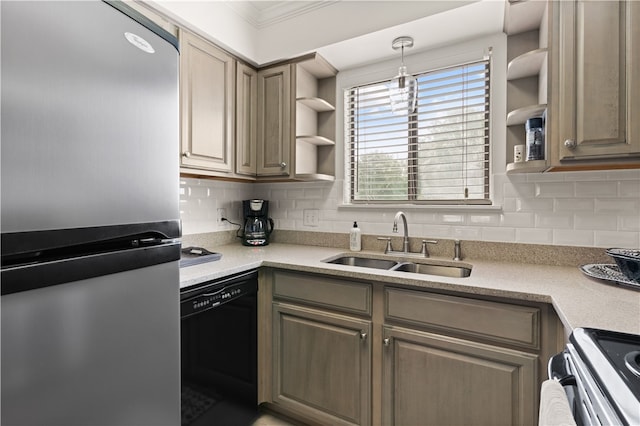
<point>403,89</point>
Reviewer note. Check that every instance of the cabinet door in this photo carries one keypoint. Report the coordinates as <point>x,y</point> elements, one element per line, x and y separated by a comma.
<point>246,119</point>
<point>429,379</point>
<point>322,365</point>
<point>206,92</point>
<point>597,74</point>
<point>274,121</point>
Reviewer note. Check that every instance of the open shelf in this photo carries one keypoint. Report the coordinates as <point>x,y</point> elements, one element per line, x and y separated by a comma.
<point>526,65</point>
<point>315,177</point>
<point>535,166</point>
<point>317,104</point>
<point>521,115</point>
<point>315,120</point>
<point>521,16</point>
<point>526,24</point>
<point>315,140</point>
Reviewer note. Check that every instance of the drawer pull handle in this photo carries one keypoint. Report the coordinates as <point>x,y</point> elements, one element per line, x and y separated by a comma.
<point>363,335</point>
<point>386,342</point>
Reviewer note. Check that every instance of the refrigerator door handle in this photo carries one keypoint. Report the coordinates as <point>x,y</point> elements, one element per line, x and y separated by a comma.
<point>36,275</point>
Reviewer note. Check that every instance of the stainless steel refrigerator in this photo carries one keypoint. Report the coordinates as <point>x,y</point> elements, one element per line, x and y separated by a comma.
<point>89,216</point>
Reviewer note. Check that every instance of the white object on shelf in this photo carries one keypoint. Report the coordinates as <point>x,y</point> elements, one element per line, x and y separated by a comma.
<point>526,65</point>
<point>518,153</point>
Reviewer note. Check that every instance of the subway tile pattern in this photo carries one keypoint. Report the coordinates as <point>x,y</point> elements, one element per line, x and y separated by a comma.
<point>598,209</point>
<point>200,200</point>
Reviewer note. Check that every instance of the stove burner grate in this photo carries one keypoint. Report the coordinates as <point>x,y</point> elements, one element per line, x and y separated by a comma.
<point>632,362</point>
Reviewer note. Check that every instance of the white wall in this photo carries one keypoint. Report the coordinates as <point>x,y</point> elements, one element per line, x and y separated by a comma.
<point>215,21</point>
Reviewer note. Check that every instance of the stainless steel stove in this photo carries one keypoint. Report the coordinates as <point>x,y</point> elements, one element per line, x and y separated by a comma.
<point>600,372</point>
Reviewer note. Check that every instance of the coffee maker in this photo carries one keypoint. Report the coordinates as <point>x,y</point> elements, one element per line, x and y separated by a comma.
<point>257,225</point>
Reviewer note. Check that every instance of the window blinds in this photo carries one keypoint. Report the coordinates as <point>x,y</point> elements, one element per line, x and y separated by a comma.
<point>438,153</point>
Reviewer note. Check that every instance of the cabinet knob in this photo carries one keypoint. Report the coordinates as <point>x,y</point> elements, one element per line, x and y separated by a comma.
<point>570,144</point>
<point>363,335</point>
<point>283,165</point>
<point>187,154</point>
<point>386,342</point>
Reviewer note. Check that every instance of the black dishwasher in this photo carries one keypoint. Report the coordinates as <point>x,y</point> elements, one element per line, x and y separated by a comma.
<point>219,351</point>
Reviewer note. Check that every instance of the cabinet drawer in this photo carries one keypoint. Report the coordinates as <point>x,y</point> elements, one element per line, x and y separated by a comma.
<point>318,290</point>
<point>500,322</point>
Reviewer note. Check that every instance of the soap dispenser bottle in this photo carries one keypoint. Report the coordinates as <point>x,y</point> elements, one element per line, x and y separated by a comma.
<point>355,238</point>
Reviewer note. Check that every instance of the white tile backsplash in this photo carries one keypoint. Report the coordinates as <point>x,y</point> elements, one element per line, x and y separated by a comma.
<point>595,188</point>
<point>571,237</point>
<point>554,220</point>
<point>616,239</point>
<point>200,200</point>
<point>629,189</point>
<point>574,204</point>
<point>555,189</point>
<point>534,235</point>
<point>600,209</point>
<point>629,223</point>
<point>596,222</point>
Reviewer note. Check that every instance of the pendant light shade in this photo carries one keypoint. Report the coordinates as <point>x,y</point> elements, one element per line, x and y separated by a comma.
<point>403,88</point>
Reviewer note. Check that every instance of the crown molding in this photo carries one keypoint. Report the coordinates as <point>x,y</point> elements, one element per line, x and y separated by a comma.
<point>275,12</point>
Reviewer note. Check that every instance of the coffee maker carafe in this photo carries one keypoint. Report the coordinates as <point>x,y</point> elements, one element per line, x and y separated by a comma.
<point>257,225</point>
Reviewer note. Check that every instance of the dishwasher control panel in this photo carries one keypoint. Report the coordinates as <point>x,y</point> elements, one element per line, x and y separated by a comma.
<point>214,294</point>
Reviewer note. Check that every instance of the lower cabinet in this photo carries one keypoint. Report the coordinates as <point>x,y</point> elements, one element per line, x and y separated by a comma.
<point>322,365</point>
<point>344,352</point>
<point>430,379</point>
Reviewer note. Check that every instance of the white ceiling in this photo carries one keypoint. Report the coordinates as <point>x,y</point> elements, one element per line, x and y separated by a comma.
<point>348,33</point>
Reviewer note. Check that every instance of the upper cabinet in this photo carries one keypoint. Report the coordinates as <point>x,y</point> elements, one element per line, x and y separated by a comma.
<point>275,123</point>
<point>595,76</point>
<point>575,63</point>
<point>207,107</point>
<point>246,120</point>
<point>274,135</point>
<point>296,120</point>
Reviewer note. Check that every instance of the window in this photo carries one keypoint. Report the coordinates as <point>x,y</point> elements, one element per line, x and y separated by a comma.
<point>437,154</point>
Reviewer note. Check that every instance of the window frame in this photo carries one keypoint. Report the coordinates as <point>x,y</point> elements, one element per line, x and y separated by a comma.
<point>446,54</point>
<point>412,164</point>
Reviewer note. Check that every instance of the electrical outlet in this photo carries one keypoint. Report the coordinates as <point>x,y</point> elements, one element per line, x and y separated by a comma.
<point>221,213</point>
<point>310,217</point>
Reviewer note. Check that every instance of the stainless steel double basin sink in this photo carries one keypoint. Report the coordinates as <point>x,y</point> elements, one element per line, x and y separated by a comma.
<point>423,267</point>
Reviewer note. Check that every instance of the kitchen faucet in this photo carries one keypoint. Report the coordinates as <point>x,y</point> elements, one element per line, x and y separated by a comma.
<point>405,242</point>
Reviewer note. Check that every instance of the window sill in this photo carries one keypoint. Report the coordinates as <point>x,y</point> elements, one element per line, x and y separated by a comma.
<point>424,207</point>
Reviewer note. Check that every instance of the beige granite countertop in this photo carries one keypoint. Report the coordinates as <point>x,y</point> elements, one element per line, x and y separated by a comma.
<point>579,300</point>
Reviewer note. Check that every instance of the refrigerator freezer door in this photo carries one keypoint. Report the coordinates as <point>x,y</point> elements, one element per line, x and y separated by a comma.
<point>90,122</point>
<point>102,351</point>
